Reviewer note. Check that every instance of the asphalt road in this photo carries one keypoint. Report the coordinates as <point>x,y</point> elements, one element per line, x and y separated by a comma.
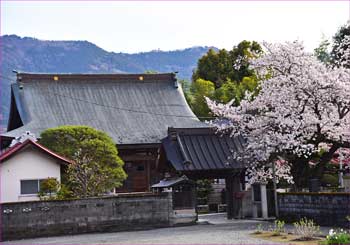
<point>213,229</point>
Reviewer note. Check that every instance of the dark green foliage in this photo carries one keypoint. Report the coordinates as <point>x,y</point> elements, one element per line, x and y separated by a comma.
<point>186,88</point>
<point>223,76</point>
<point>240,55</point>
<point>214,66</point>
<point>329,180</point>
<point>97,167</point>
<point>196,92</point>
<point>204,188</point>
<point>48,188</point>
<point>199,90</point>
<point>322,53</point>
<point>334,57</point>
<point>222,66</point>
<point>236,91</point>
<point>337,40</point>
<point>64,193</point>
<point>51,189</point>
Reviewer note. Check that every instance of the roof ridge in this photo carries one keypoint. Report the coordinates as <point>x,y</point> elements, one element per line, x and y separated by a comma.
<point>23,76</point>
<point>87,73</point>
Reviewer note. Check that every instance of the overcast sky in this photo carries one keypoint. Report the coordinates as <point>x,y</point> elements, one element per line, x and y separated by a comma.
<point>144,26</point>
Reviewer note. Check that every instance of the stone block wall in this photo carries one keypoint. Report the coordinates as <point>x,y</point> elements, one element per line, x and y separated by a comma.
<point>118,213</point>
<point>329,209</point>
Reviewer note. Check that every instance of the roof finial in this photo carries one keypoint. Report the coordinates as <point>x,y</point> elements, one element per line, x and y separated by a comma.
<point>23,137</point>
<point>176,84</point>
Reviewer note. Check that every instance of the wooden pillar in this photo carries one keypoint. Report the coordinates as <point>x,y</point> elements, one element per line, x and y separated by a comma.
<point>236,201</point>
<point>229,197</point>
<point>148,169</point>
<point>233,205</point>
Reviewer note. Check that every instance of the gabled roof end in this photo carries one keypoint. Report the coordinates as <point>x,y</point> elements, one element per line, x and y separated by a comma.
<point>17,147</point>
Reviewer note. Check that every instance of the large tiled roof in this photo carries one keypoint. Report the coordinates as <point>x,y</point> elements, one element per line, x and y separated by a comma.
<point>201,149</point>
<point>131,108</point>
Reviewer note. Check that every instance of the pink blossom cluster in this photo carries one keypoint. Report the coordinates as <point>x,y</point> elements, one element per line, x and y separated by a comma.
<point>302,103</point>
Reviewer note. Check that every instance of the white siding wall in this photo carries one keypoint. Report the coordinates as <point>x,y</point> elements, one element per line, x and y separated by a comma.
<point>25,165</point>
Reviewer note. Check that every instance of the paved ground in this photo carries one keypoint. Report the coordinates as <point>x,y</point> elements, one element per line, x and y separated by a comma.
<point>213,229</point>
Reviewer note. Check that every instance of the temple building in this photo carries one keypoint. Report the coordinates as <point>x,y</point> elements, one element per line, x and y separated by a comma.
<point>146,115</point>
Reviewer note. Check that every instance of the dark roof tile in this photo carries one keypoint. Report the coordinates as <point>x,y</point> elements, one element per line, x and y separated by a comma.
<point>130,109</point>
<point>200,149</point>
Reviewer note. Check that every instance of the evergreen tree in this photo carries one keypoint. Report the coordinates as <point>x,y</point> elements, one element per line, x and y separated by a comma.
<point>97,168</point>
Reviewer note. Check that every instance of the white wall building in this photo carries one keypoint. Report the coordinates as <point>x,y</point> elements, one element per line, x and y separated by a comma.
<point>23,166</point>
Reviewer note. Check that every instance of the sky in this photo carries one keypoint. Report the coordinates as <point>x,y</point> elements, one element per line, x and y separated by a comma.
<point>150,25</point>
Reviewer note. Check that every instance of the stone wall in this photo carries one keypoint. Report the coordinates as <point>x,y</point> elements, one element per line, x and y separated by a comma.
<point>329,209</point>
<point>118,213</point>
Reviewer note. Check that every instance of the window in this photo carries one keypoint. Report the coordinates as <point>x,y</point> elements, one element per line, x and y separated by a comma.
<point>30,186</point>
<point>140,168</point>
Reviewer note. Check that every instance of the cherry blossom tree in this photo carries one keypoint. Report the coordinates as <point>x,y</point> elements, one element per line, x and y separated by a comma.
<point>342,156</point>
<point>302,103</point>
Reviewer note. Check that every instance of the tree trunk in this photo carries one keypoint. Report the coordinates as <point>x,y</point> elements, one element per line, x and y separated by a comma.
<point>325,158</point>
<point>229,181</point>
<point>300,171</point>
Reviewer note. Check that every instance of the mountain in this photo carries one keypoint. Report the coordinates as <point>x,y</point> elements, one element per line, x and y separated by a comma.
<point>33,55</point>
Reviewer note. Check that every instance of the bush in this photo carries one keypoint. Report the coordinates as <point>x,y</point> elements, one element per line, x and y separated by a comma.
<point>204,188</point>
<point>51,189</point>
<point>48,188</point>
<point>258,229</point>
<point>340,237</point>
<point>64,193</point>
<point>279,227</point>
<point>329,180</point>
<point>306,229</point>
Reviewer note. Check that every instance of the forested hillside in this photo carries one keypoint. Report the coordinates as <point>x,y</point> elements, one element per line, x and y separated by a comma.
<point>33,55</point>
